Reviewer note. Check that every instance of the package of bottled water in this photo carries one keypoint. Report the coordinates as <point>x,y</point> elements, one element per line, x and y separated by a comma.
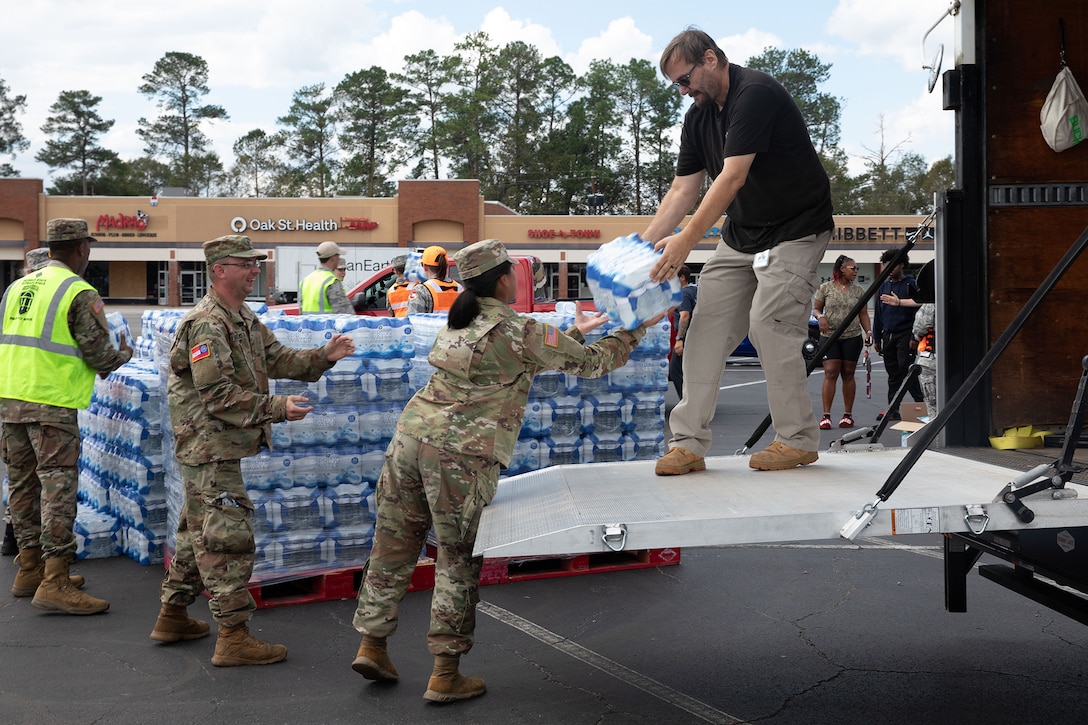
<point>563,450</point>
<point>539,418</point>
<point>98,534</point>
<point>259,307</point>
<point>344,506</point>
<point>648,444</point>
<point>604,414</point>
<point>645,411</point>
<point>528,456</point>
<point>379,338</point>
<point>548,384</point>
<point>425,329</point>
<point>567,418</point>
<point>413,267</point>
<point>606,450</point>
<point>142,547</point>
<point>268,470</point>
<point>371,460</point>
<point>92,491</point>
<point>346,547</point>
<point>618,275</point>
<point>378,421</point>
<point>118,326</point>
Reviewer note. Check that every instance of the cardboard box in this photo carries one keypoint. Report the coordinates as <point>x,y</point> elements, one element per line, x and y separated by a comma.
<point>907,429</point>
<point>915,412</point>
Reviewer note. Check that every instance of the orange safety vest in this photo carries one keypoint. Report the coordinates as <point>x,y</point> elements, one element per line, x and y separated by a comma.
<point>398,298</point>
<point>442,294</point>
<point>927,345</point>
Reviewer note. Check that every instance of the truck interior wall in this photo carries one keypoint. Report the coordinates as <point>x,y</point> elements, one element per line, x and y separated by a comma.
<point>1035,380</point>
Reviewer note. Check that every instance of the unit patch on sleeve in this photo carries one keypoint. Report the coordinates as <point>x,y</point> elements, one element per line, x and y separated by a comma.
<point>199,352</point>
<point>551,336</point>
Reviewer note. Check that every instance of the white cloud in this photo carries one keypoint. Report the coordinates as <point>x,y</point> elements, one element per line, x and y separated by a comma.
<point>621,41</point>
<point>752,42</point>
<point>892,29</point>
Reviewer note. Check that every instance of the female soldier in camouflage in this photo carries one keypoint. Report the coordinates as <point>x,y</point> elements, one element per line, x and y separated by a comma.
<point>442,465</point>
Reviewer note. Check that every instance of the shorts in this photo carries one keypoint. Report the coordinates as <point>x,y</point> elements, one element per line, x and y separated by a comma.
<point>848,349</point>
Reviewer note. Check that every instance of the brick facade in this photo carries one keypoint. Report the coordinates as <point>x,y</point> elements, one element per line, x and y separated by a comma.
<point>19,201</point>
<point>445,200</point>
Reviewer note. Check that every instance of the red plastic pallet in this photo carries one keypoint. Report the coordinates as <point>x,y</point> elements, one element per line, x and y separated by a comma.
<point>498,571</point>
<point>326,586</point>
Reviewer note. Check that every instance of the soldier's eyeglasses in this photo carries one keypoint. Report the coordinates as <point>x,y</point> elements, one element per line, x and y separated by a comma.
<point>252,264</point>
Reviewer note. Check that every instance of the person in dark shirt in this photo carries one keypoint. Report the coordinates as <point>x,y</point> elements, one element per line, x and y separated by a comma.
<point>688,297</point>
<point>745,132</point>
<point>892,325</point>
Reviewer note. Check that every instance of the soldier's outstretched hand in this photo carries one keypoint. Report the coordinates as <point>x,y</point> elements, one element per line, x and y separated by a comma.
<point>339,346</point>
<point>584,322</point>
<point>297,408</point>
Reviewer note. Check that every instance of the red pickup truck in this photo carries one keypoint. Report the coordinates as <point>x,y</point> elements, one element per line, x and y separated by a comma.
<point>369,296</point>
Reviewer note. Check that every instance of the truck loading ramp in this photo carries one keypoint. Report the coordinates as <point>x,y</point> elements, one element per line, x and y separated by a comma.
<point>601,507</point>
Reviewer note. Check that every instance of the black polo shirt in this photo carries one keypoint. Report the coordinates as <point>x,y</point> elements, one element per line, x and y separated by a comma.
<point>787,194</point>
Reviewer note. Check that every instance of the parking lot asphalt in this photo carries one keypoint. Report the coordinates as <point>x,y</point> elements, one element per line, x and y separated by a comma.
<point>816,632</point>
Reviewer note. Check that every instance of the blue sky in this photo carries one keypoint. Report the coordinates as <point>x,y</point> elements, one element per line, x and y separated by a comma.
<point>259,53</point>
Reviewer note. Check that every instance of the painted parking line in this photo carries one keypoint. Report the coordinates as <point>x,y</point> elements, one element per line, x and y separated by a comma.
<point>663,692</point>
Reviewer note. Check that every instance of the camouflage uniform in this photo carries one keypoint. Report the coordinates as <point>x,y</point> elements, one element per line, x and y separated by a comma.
<point>443,463</point>
<point>41,442</point>
<point>221,412</point>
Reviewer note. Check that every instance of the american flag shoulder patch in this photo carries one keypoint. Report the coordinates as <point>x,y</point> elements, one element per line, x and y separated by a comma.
<point>98,305</point>
<point>199,352</point>
<point>551,336</point>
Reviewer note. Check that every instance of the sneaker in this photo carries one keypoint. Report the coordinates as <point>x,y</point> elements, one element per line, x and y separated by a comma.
<point>778,457</point>
<point>679,461</point>
<point>846,422</point>
<point>825,423</point>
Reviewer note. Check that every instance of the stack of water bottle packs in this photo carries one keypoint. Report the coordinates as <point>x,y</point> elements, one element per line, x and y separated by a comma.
<point>122,496</point>
<point>618,417</point>
<point>313,492</point>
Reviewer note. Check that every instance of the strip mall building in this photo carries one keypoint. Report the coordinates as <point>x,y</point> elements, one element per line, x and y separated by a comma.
<point>150,248</point>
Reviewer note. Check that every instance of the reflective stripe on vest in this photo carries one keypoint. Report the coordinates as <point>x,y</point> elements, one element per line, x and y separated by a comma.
<point>442,294</point>
<point>314,291</point>
<point>398,299</point>
<point>39,344</point>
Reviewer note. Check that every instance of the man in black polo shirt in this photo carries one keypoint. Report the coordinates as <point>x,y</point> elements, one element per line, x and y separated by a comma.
<point>744,131</point>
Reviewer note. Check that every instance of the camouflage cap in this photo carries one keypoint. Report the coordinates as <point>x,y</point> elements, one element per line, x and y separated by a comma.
<point>475,259</point>
<point>231,245</point>
<point>399,262</point>
<point>37,258</point>
<point>67,230</point>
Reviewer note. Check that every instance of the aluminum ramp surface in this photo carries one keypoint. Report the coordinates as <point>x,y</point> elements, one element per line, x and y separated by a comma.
<point>567,509</point>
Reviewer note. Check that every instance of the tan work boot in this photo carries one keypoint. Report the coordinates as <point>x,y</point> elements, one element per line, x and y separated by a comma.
<point>778,457</point>
<point>57,594</point>
<point>32,572</point>
<point>679,461</point>
<point>174,623</point>
<point>372,661</point>
<point>447,684</point>
<point>236,646</point>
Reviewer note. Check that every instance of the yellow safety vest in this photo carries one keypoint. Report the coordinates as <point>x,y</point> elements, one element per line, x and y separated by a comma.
<point>39,356</point>
<point>313,292</point>
<point>398,298</point>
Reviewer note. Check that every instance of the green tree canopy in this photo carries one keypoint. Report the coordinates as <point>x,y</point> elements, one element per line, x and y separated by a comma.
<point>75,127</point>
<point>177,84</point>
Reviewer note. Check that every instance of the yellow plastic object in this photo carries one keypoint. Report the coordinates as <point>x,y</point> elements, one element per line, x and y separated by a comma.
<point>1026,436</point>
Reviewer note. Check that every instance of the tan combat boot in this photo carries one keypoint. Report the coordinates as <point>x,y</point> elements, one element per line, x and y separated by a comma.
<point>236,646</point>
<point>57,594</point>
<point>447,684</point>
<point>372,661</point>
<point>174,623</point>
<point>32,572</point>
